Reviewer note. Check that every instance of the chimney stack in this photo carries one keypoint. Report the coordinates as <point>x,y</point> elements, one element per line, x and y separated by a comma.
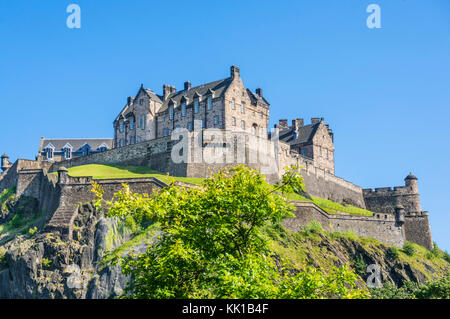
<point>166,91</point>
<point>315,120</point>
<point>297,123</point>
<point>130,100</point>
<point>282,124</point>
<point>259,92</point>
<point>234,71</point>
<point>187,85</point>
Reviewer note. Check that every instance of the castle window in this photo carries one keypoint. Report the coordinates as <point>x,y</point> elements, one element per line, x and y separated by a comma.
<point>132,140</point>
<point>254,129</point>
<point>189,126</point>
<point>196,108</point>
<point>320,150</point>
<point>326,153</point>
<point>243,124</point>
<point>170,112</point>
<point>166,132</point>
<point>122,142</point>
<point>243,107</point>
<point>233,121</point>
<point>139,139</point>
<point>141,101</point>
<point>142,122</point>
<point>203,123</point>
<point>209,103</point>
<point>183,109</point>
<point>233,104</point>
<point>67,153</point>
<point>216,120</point>
<point>122,126</point>
<point>50,154</point>
<point>131,124</point>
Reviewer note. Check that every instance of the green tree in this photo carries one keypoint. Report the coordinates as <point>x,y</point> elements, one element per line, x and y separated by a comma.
<point>212,245</point>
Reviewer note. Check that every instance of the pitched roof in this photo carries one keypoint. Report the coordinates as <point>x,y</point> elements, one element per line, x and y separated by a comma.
<point>256,98</point>
<point>77,143</point>
<point>305,134</point>
<point>218,87</point>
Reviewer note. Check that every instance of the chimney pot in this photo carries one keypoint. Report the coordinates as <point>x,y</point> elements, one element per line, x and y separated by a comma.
<point>315,120</point>
<point>259,92</point>
<point>187,85</point>
<point>282,124</point>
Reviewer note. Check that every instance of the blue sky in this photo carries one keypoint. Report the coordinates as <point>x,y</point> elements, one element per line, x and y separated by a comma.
<point>385,92</point>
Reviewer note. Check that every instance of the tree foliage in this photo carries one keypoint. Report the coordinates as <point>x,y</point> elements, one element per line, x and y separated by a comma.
<point>211,243</point>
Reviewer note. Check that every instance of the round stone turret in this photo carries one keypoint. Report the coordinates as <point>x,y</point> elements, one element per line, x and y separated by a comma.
<point>411,181</point>
<point>400,214</point>
<point>5,162</point>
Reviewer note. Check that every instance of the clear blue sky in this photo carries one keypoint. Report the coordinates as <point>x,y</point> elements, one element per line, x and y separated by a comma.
<point>385,92</point>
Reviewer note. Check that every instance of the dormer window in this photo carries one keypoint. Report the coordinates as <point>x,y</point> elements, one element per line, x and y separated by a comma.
<point>196,108</point>
<point>171,112</point>
<point>183,109</point>
<point>49,154</point>
<point>209,103</point>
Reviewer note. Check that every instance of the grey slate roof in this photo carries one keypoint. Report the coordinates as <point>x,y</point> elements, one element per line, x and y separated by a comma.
<point>305,134</point>
<point>77,143</point>
<point>219,87</point>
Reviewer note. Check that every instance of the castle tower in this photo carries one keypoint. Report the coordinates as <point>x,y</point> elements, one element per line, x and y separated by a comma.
<point>411,185</point>
<point>5,162</point>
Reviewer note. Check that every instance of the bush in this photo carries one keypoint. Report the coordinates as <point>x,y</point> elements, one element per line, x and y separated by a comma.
<point>313,227</point>
<point>447,256</point>
<point>439,289</point>
<point>46,263</point>
<point>391,291</point>
<point>408,248</point>
<point>393,253</point>
<point>32,231</point>
<point>3,262</point>
<point>360,265</point>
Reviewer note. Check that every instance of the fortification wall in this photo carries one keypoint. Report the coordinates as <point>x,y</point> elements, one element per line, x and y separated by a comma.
<point>382,227</point>
<point>384,199</point>
<point>417,229</point>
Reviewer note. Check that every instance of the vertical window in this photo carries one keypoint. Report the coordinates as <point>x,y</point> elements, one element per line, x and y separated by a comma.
<point>183,109</point>
<point>326,153</point>
<point>233,104</point>
<point>131,124</point>
<point>139,139</point>
<point>243,107</point>
<point>67,153</point>
<point>141,101</point>
<point>189,126</point>
<point>143,122</point>
<point>233,121</point>
<point>203,124</point>
<point>166,132</point>
<point>122,142</point>
<point>196,108</point>
<point>243,124</point>
<point>170,112</point>
<point>209,103</point>
<point>132,140</point>
<point>216,120</point>
<point>320,150</point>
<point>121,126</point>
<point>50,154</point>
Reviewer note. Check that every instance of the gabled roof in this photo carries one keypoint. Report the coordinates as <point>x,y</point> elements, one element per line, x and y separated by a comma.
<point>305,134</point>
<point>218,87</point>
<point>77,143</point>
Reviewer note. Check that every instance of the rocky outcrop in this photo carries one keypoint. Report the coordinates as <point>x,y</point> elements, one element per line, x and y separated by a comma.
<point>45,266</point>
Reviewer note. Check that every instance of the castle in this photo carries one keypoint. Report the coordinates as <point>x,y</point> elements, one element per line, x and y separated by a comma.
<point>220,124</point>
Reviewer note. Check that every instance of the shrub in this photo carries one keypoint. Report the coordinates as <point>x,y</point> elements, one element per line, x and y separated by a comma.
<point>439,289</point>
<point>408,248</point>
<point>313,227</point>
<point>447,256</point>
<point>32,231</point>
<point>46,263</point>
<point>391,291</point>
<point>360,265</point>
<point>393,253</point>
<point>3,262</point>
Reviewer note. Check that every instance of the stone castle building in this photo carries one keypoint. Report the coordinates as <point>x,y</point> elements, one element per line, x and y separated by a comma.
<point>142,137</point>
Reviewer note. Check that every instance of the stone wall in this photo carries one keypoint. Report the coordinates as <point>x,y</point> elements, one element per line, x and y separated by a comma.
<point>382,227</point>
<point>417,229</point>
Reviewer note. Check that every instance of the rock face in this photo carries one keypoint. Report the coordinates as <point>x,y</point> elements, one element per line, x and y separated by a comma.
<point>44,266</point>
